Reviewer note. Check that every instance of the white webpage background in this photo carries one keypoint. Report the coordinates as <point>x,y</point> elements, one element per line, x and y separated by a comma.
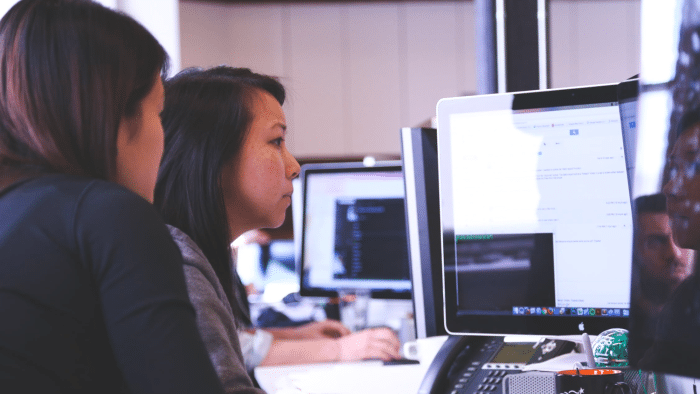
<point>529,173</point>
<point>322,192</point>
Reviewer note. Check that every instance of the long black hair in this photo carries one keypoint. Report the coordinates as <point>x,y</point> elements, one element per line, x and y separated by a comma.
<point>206,116</point>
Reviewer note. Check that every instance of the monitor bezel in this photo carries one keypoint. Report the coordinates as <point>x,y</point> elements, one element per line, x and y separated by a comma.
<point>423,230</point>
<point>509,324</point>
<point>339,167</point>
<point>628,92</point>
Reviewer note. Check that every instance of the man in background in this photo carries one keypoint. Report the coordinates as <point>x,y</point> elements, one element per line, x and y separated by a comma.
<point>661,265</point>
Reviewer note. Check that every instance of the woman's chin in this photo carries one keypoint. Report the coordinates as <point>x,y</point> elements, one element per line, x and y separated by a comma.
<point>275,223</point>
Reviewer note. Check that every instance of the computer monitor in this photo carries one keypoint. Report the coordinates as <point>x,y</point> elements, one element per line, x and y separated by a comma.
<point>420,170</point>
<point>536,213</point>
<point>354,230</point>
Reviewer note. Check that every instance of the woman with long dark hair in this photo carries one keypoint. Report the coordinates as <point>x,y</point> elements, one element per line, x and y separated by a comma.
<point>226,170</point>
<point>92,293</point>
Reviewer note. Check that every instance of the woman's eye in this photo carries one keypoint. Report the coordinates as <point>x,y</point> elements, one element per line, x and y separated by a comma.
<point>278,141</point>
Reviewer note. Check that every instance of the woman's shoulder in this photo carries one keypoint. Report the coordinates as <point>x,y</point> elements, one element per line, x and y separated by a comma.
<point>74,196</point>
<point>191,253</point>
<point>202,282</point>
<point>192,256</point>
<point>76,189</point>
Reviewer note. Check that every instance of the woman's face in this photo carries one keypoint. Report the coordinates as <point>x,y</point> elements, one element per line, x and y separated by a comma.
<point>140,145</point>
<point>683,189</point>
<point>257,184</point>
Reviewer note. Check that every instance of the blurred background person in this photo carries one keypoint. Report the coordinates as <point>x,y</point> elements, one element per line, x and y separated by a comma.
<point>680,317</point>
<point>661,264</point>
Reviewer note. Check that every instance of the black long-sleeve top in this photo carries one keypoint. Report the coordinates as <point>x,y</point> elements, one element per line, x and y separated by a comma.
<point>92,294</point>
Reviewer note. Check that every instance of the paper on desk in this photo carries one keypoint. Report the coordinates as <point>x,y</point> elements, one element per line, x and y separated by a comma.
<point>355,378</point>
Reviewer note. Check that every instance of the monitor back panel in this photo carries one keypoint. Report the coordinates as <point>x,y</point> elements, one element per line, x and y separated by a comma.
<point>419,154</point>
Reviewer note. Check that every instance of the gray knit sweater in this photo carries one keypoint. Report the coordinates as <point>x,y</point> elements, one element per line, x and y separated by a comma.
<point>214,317</point>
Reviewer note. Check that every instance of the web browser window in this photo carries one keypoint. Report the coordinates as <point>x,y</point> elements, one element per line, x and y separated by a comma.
<point>557,175</point>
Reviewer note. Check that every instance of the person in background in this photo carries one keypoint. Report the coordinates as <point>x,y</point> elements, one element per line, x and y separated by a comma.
<point>660,264</point>
<point>92,293</point>
<point>680,317</point>
<point>663,265</point>
<point>226,170</point>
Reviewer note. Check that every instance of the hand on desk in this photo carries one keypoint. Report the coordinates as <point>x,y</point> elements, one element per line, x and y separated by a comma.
<point>322,329</point>
<point>330,341</point>
<point>317,330</point>
<point>373,343</point>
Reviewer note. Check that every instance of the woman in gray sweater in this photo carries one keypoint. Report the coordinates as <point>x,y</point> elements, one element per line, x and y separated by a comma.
<point>226,170</point>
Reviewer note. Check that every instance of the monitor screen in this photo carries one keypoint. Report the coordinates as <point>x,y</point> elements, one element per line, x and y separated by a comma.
<point>536,213</point>
<point>420,168</point>
<point>354,230</point>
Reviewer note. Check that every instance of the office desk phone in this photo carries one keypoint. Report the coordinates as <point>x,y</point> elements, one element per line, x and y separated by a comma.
<point>478,364</point>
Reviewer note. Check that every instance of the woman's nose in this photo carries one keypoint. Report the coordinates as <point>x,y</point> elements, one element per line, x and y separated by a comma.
<point>292,167</point>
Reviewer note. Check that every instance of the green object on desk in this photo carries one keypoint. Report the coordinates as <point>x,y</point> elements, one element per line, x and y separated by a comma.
<point>610,348</point>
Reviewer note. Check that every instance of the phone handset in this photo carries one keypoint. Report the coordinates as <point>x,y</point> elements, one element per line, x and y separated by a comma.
<point>437,378</point>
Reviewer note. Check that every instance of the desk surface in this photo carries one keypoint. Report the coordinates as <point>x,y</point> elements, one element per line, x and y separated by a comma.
<point>341,378</point>
<point>366,377</point>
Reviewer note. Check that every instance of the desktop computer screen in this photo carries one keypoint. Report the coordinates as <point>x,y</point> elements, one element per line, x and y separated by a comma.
<point>536,212</point>
<point>420,168</point>
<point>354,230</point>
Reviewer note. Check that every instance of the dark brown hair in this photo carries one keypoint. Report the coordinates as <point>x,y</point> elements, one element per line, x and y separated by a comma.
<point>70,71</point>
<point>206,116</point>
<point>653,203</point>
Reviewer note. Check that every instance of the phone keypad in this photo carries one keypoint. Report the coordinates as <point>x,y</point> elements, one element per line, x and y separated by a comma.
<point>480,376</point>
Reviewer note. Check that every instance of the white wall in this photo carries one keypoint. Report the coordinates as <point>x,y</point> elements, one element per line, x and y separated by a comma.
<point>358,72</point>
<point>594,41</point>
<point>355,73</point>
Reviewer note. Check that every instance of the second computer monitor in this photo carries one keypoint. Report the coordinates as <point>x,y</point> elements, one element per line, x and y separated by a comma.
<point>536,212</point>
<point>354,230</point>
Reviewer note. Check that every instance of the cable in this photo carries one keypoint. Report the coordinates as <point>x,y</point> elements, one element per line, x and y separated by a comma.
<point>642,382</point>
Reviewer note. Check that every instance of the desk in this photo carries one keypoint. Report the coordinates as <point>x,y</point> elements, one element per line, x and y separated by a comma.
<point>373,377</point>
<point>364,377</point>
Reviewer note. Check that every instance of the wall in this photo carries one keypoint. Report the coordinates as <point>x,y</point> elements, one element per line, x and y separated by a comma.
<point>358,72</point>
<point>594,41</point>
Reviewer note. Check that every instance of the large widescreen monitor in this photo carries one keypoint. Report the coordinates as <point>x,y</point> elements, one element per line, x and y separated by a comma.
<point>536,212</point>
<point>354,230</point>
